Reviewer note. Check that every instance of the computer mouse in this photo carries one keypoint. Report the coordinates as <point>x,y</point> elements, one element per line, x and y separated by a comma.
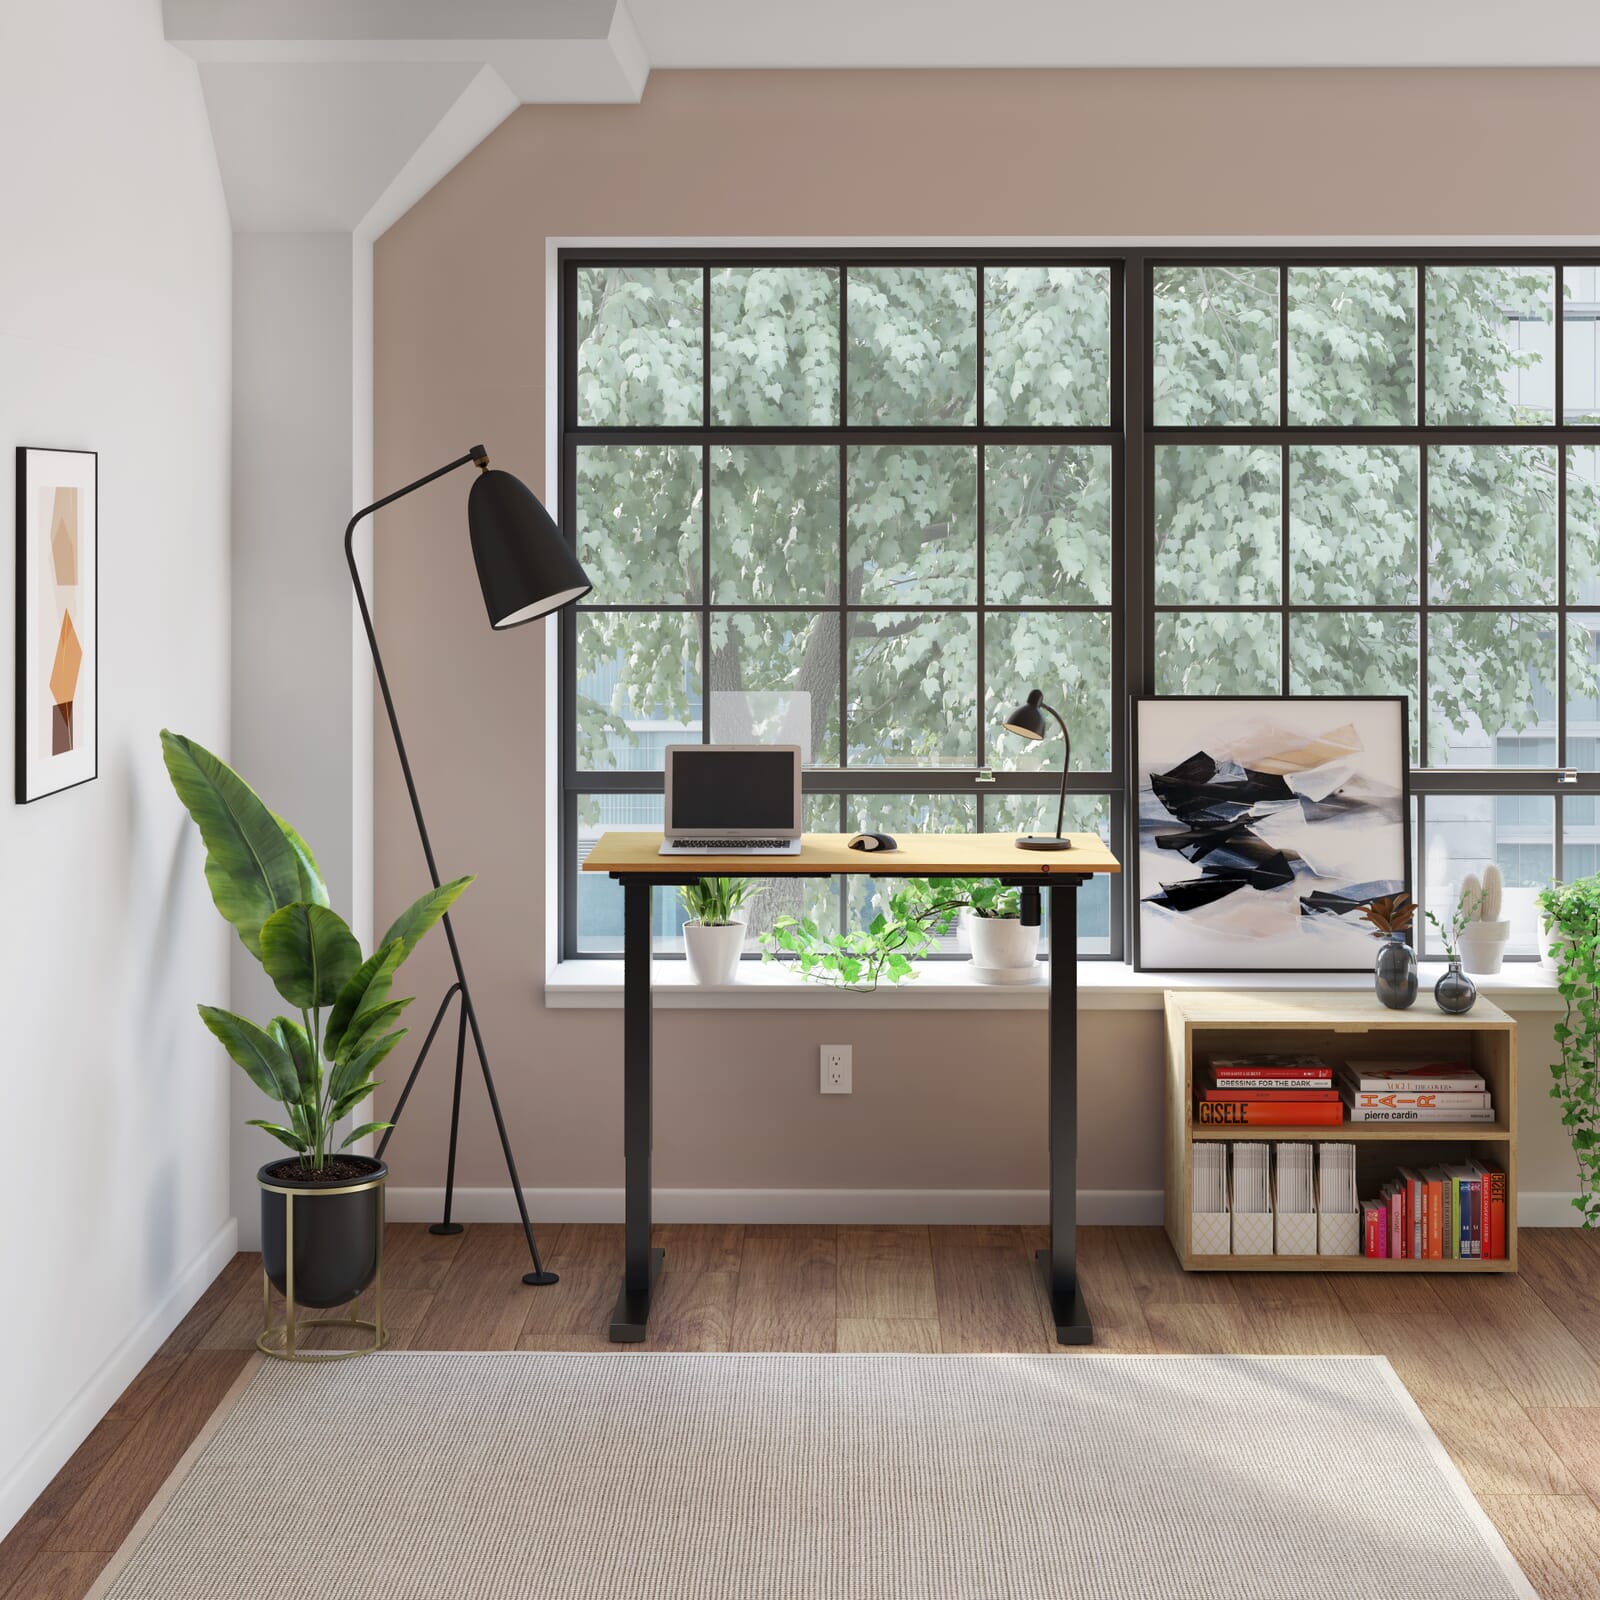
<point>874,841</point>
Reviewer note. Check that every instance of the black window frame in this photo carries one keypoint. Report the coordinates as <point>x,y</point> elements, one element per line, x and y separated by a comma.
<point>1133,438</point>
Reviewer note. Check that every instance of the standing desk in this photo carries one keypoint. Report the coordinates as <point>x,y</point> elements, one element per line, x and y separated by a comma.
<point>633,860</point>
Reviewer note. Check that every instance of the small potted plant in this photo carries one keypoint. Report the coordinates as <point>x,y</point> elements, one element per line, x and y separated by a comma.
<point>1484,935</point>
<point>1553,902</point>
<point>1004,950</point>
<point>713,937</point>
<point>1455,992</point>
<point>317,1064</point>
<point>1395,970</point>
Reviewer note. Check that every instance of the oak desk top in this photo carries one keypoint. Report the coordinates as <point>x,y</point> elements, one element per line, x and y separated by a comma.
<point>921,855</point>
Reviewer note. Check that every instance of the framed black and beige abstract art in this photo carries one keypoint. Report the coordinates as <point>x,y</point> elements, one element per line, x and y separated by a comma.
<point>57,719</point>
<point>1265,825</point>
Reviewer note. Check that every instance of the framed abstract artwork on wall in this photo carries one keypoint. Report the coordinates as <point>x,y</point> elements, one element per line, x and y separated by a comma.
<point>1265,826</point>
<point>58,712</point>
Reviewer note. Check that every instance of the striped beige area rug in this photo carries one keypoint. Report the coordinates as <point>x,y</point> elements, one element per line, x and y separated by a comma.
<point>419,1476</point>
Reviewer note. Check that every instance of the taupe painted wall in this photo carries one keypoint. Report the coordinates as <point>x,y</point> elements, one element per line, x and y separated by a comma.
<point>461,313</point>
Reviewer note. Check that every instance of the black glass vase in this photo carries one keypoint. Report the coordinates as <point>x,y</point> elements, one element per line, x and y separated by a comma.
<point>1394,974</point>
<point>1455,991</point>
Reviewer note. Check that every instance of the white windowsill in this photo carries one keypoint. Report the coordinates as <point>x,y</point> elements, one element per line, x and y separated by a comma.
<point>949,986</point>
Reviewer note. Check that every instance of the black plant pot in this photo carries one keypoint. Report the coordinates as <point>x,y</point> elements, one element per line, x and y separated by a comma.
<point>336,1231</point>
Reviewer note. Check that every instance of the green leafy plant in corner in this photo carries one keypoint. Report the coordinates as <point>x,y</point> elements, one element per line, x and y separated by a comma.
<point>1572,915</point>
<point>713,902</point>
<point>266,883</point>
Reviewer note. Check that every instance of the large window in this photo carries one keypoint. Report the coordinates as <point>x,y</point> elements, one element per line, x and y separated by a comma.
<point>863,503</point>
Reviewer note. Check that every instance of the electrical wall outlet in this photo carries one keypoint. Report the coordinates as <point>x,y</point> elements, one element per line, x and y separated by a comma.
<point>836,1069</point>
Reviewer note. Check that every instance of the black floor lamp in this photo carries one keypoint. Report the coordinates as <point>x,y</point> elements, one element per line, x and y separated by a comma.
<point>527,570</point>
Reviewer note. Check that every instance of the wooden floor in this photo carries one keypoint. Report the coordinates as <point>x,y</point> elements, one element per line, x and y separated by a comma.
<point>1507,1369</point>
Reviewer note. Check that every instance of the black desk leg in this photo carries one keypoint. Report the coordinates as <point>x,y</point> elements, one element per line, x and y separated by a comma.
<point>1060,1261</point>
<point>642,1265</point>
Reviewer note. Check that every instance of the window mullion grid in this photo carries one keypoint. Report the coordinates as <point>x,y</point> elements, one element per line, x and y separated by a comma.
<point>1283,569</point>
<point>978,731</point>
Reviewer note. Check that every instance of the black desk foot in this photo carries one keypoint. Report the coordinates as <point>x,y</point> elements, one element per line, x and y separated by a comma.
<point>632,1312</point>
<point>1071,1319</point>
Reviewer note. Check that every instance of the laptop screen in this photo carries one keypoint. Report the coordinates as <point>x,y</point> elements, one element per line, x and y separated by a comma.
<point>739,789</point>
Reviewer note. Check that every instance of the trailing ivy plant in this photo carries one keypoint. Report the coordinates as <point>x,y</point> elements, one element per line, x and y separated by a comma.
<point>266,882</point>
<point>914,914</point>
<point>1572,914</point>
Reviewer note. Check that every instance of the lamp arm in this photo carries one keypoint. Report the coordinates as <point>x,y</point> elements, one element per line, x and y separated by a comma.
<point>1066,767</point>
<point>477,455</point>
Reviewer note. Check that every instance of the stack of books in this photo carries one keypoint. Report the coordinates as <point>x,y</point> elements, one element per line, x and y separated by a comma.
<point>1455,1212</point>
<point>1283,1091</point>
<point>1409,1091</point>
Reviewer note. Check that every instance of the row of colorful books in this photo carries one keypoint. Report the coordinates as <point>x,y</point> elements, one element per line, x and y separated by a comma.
<point>1455,1212</point>
<point>1306,1091</point>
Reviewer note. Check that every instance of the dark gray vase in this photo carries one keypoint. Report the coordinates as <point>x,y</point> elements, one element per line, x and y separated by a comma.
<point>1395,973</point>
<point>1455,991</point>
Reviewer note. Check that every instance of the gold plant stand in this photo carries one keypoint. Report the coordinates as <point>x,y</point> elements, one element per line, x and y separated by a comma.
<point>281,1340</point>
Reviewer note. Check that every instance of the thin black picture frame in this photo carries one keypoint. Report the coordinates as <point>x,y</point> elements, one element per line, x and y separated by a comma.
<point>21,678</point>
<point>1134,865</point>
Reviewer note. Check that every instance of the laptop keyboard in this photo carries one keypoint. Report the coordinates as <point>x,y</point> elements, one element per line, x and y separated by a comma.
<point>744,842</point>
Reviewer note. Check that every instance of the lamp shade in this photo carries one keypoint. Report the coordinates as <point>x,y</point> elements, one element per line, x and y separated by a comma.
<point>1028,720</point>
<point>525,567</point>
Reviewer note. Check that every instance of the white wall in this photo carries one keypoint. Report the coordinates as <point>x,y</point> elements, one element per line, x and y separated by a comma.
<point>300,735</point>
<point>114,336</point>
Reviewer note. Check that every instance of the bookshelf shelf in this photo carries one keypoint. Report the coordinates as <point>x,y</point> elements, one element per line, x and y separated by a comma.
<point>1406,1132</point>
<point>1344,1026</point>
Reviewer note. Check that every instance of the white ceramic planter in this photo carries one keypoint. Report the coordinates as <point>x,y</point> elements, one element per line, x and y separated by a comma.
<point>1548,940</point>
<point>1003,951</point>
<point>1483,946</point>
<point>713,950</point>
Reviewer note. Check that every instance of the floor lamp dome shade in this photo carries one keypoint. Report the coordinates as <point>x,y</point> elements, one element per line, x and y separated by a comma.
<point>1027,722</point>
<point>526,568</point>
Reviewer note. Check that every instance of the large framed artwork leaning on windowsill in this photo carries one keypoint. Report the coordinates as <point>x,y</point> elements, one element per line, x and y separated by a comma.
<point>1266,823</point>
<point>57,714</point>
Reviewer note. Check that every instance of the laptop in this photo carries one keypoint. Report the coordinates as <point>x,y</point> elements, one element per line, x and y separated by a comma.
<point>732,800</point>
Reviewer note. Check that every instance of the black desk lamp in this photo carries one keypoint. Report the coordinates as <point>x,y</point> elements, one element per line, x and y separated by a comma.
<point>1028,721</point>
<point>526,570</point>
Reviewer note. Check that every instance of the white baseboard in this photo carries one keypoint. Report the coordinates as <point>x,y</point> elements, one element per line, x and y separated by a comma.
<point>1096,1207</point>
<point>74,1422</point>
<point>1547,1209</point>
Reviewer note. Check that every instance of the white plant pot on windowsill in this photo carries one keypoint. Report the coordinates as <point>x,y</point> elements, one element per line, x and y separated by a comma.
<point>1483,946</point>
<point>1549,939</point>
<point>1003,950</point>
<point>713,949</point>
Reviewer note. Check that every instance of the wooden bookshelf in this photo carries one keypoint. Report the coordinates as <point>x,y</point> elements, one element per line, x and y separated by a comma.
<point>1203,1024</point>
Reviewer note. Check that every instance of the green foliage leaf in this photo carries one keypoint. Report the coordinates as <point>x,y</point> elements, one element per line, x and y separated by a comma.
<point>284,1135</point>
<point>297,1042</point>
<point>361,1132</point>
<point>252,865</point>
<point>262,1058</point>
<point>309,954</point>
<point>364,991</point>
<point>412,923</point>
<point>351,1070</point>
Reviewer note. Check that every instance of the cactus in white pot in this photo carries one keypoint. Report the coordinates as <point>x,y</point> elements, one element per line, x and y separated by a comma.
<point>1484,938</point>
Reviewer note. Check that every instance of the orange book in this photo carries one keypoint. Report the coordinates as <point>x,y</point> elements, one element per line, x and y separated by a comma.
<point>1434,1207</point>
<point>1494,1210</point>
<point>1270,1113</point>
